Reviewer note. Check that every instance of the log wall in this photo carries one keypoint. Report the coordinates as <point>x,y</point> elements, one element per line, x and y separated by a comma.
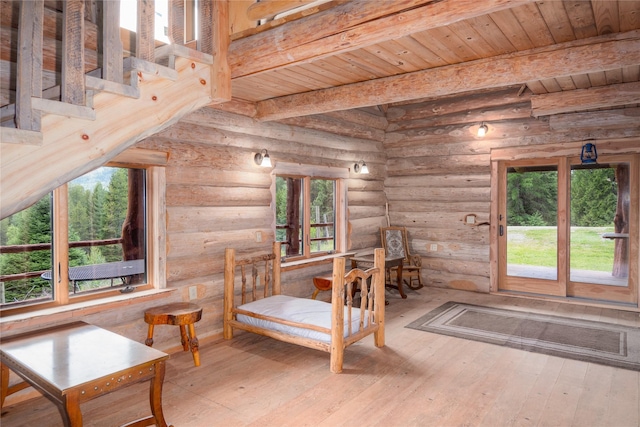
<point>425,162</point>
<point>217,197</point>
<point>439,171</point>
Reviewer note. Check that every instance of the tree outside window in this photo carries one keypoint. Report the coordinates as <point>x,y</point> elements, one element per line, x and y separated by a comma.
<point>306,215</point>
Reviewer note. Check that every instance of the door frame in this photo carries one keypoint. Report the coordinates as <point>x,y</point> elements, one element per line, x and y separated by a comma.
<point>563,154</point>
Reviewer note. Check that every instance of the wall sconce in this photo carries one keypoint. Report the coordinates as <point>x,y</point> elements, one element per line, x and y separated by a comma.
<point>482,130</point>
<point>262,159</point>
<point>589,153</point>
<point>360,167</point>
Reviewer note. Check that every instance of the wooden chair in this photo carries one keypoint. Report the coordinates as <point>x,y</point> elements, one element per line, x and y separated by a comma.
<point>395,243</point>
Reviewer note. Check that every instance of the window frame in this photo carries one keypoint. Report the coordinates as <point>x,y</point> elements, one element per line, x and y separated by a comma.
<point>306,173</point>
<point>153,163</point>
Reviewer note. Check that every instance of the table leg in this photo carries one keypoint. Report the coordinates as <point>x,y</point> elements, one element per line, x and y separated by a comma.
<point>70,412</point>
<point>4,383</point>
<point>149,340</point>
<point>183,338</point>
<point>155,395</point>
<point>194,344</point>
<point>399,276</point>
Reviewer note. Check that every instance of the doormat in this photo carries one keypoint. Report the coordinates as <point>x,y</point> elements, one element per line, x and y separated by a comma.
<point>589,341</point>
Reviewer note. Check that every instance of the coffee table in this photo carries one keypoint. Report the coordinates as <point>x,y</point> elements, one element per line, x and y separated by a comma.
<point>77,362</point>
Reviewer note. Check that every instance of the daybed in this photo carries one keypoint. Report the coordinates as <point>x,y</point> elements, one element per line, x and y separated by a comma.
<point>329,327</point>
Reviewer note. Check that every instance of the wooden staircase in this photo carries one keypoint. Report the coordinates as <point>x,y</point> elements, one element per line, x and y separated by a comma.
<point>45,143</point>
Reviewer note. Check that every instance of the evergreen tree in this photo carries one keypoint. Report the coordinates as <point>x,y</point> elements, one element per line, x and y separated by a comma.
<point>30,226</point>
<point>593,197</point>
<point>115,212</point>
<point>532,198</point>
<point>97,212</point>
<point>79,224</point>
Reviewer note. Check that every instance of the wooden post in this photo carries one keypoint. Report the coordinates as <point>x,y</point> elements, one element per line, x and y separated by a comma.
<point>379,301</point>
<point>111,46</point>
<point>337,316</point>
<point>205,32</point>
<point>73,85</point>
<point>220,71</point>
<point>621,223</point>
<point>277,289</point>
<point>145,39</point>
<point>29,64</point>
<point>176,22</point>
<point>229,290</point>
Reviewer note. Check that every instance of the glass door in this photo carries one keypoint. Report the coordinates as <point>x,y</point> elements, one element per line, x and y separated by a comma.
<point>601,226</point>
<point>569,229</point>
<point>529,236</point>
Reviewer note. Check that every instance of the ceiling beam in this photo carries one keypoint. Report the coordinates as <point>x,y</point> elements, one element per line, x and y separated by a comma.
<point>585,99</point>
<point>601,53</point>
<point>350,26</point>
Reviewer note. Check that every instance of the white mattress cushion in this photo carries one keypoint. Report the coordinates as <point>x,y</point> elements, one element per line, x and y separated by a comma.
<point>301,310</point>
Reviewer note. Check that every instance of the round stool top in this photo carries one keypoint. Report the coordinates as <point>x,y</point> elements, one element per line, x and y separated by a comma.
<point>175,313</point>
<point>323,283</point>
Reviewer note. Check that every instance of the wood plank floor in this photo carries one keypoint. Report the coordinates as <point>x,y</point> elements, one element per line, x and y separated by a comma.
<point>418,379</point>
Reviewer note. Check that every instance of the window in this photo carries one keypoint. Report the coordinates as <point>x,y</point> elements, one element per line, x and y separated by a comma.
<point>87,239</point>
<point>310,211</point>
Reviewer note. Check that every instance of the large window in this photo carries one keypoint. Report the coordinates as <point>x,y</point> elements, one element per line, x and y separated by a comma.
<point>309,212</point>
<point>87,239</point>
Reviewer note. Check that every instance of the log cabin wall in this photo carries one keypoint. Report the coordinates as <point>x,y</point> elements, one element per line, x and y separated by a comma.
<point>439,170</point>
<point>424,156</point>
<point>217,197</point>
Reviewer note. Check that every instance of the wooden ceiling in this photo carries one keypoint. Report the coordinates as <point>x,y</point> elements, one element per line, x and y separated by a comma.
<point>364,53</point>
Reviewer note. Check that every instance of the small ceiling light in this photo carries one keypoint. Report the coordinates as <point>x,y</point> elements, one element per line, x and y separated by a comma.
<point>262,159</point>
<point>589,153</point>
<point>482,130</point>
<point>360,167</point>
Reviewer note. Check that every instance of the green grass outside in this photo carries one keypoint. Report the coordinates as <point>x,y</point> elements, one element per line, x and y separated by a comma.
<point>537,246</point>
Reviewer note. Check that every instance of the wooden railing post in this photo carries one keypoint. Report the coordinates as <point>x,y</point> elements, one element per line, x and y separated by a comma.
<point>112,54</point>
<point>176,22</point>
<point>73,85</point>
<point>220,71</point>
<point>145,32</point>
<point>214,39</point>
<point>29,64</point>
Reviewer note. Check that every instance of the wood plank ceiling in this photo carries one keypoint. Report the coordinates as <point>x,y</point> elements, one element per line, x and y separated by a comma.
<point>364,53</point>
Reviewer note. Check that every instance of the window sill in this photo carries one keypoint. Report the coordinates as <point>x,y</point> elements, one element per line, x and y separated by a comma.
<point>301,263</point>
<point>48,316</point>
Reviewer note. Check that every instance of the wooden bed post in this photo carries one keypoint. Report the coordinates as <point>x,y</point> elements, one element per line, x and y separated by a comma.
<point>276,288</point>
<point>378,303</point>
<point>337,317</point>
<point>229,289</point>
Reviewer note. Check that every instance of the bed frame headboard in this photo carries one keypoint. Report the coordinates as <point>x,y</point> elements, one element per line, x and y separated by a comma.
<point>264,271</point>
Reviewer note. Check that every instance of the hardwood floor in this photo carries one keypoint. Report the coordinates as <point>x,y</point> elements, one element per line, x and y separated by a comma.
<point>418,379</point>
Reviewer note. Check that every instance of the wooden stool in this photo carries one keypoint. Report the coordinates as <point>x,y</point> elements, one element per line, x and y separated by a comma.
<point>322,284</point>
<point>177,313</point>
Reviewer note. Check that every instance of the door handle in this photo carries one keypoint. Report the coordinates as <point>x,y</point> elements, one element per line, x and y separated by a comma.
<point>501,230</point>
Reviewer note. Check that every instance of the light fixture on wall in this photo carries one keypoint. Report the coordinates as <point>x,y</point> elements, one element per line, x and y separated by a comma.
<point>360,167</point>
<point>262,159</point>
<point>482,130</point>
<point>589,154</point>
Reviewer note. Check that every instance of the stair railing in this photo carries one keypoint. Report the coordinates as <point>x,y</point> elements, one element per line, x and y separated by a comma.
<point>76,85</point>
